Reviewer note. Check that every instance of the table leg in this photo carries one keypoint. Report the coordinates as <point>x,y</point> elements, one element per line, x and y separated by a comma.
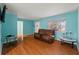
<point>61,41</point>
<point>72,44</point>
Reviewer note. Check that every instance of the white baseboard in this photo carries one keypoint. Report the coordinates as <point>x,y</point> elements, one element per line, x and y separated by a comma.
<point>27,35</point>
<point>58,39</point>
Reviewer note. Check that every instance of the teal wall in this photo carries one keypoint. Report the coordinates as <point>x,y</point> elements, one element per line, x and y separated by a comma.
<point>71,22</point>
<point>78,27</point>
<point>0,32</point>
<point>28,26</point>
<point>0,40</point>
<point>9,26</point>
<point>43,23</point>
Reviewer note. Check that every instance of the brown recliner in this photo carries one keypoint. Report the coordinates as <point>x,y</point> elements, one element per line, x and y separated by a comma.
<point>45,35</point>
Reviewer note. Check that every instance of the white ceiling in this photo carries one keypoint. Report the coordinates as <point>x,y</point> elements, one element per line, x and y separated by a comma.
<point>40,10</point>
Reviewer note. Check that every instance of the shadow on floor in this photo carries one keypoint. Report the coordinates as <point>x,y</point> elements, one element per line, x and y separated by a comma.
<point>9,46</point>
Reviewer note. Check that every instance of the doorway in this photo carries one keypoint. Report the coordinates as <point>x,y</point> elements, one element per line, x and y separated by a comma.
<point>37,27</point>
<point>20,30</point>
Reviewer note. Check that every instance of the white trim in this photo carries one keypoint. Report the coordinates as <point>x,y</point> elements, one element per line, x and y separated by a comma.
<point>20,29</point>
<point>28,35</point>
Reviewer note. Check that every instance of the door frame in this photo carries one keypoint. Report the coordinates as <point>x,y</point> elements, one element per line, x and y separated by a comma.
<point>20,30</point>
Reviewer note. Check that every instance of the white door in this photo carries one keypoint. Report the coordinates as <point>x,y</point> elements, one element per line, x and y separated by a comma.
<point>20,29</point>
<point>37,26</point>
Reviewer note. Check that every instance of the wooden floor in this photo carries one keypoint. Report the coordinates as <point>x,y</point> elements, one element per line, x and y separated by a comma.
<point>31,46</point>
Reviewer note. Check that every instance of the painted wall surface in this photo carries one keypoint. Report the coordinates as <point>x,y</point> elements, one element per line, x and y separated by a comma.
<point>1,5</point>
<point>43,24</point>
<point>28,26</point>
<point>0,40</point>
<point>10,25</point>
<point>71,22</point>
<point>78,29</point>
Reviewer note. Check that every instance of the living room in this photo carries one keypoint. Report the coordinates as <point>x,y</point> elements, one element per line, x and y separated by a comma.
<point>26,21</point>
